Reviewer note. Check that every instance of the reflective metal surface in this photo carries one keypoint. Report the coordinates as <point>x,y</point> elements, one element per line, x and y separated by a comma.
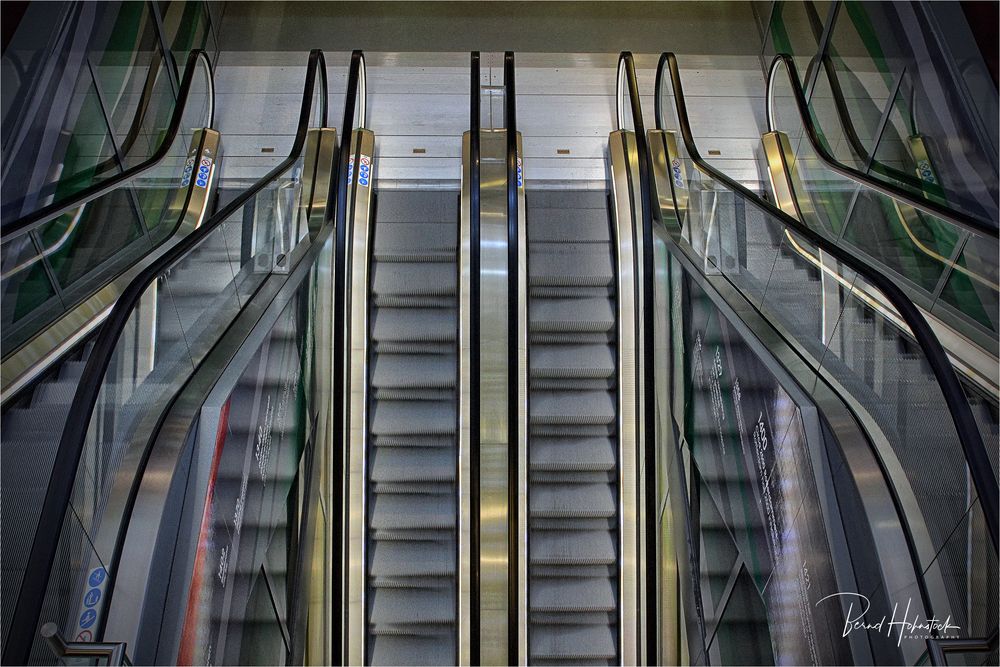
<point>356,393</point>
<point>522,416</point>
<point>493,379</point>
<point>623,157</point>
<point>465,471</point>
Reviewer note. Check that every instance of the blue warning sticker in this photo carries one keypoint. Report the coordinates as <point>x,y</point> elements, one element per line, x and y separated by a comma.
<point>364,170</point>
<point>87,618</point>
<point>97,576</point>
<point>90,610</point>
<point>92,597</point>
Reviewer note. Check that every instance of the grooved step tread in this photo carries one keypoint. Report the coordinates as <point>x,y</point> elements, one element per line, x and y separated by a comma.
<point>572,547</point>
<point>407,371</point>
<point>591,361</point>
<point>583,315</point>
<point>572,407</point>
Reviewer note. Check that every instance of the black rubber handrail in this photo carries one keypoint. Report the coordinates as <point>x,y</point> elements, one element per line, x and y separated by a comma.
<point>339,188</point>
<point>474,350</point>
<point>513,409</point>
<point>46,214</point>
<point>980,468</point>
<point>58,494</point>
<point>626,67</point>
<point>957,218</point>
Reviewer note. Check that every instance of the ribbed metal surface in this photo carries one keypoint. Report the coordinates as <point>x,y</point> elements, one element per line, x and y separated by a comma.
<point>412,449</point>
<point>573,597</point>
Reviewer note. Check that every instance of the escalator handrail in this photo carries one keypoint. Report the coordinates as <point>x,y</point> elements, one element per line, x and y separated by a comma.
<point>46,214</point>
<point>475,128</point>
<point>513,405</point>
<point>957,218</point>
<point>626,74</point>
<point>58,494</point>
<point>355,79</point>
<point>980,468</point>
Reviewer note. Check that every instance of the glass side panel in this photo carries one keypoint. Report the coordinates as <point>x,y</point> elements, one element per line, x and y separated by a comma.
<point>249,600</point>
<point>942,268</point>
<point>913,245</point>
<point>123,98</point>
<point>972,285</point>
<point>185,26</point>
<point>888,100</point>
<point>795,29</point>
<point>760,464</point>
<point>128,67</point>
<point>84,249</point>
<point>26,289</point>
<point>106,227</point>
<point>743,636</point>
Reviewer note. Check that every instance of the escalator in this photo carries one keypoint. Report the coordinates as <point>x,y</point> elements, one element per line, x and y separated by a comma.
<point>573,433</point>
<point>805,396</point>
<point>223,311</point>
<point>509,422</point>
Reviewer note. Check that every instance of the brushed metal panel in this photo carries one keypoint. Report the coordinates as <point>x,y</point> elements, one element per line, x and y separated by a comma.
<point>356,393</point>
<point>494,378</point>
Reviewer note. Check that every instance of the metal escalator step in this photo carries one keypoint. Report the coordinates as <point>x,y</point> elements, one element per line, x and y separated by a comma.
<point>590,361</point>
<point>572,547</point>
<point>395,606</point>
<point>405,324</point>
<point>408,649</point>
<point>411,559</point>
<point>572,453</point>
<point>416,206</point>
<point>413,418</point>
<point>572,500</point>
<point>572,338</point>
<point>412,440</point>
<point>573,642</point>
<point>408,242</point>
<point>71,370</point>
<point>407,279</point>
<point>407,371</point>
<point>412,464</point>
<point>577,264</point>
<point>572,430</point>
<point>585,315</point>
<point>567,225</point>
<point>572,407</point>
<point>413,511</point>
<point>572,594</point>
<point>51,393</point>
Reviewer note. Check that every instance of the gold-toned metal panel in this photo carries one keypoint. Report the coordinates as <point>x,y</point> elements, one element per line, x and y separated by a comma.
<point>669,173</point>
<point>627,252</point>
<point>356,393</point>
<point>522,413</point>
<point>493,382</point>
